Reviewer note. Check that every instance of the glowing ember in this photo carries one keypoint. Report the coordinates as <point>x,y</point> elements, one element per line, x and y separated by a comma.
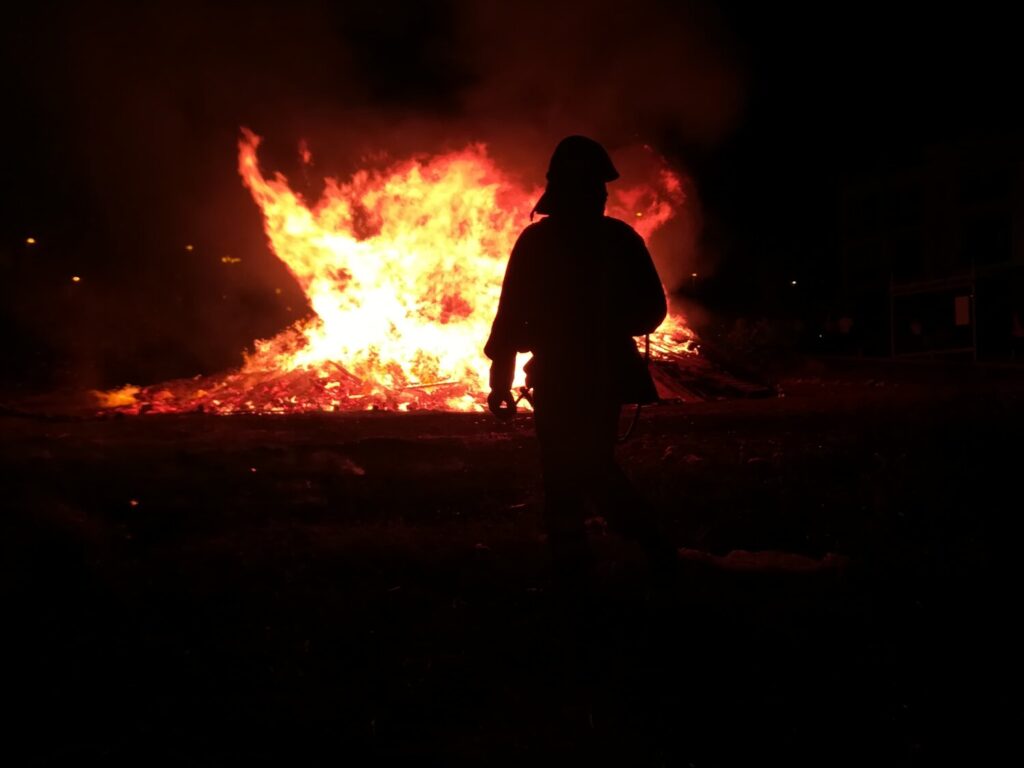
<point>402,269</point>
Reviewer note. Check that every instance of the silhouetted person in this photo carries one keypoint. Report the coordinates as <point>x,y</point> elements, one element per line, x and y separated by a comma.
<point>578,287</point>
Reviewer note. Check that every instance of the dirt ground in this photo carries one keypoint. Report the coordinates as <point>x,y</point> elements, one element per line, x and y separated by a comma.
<point>351,589</point>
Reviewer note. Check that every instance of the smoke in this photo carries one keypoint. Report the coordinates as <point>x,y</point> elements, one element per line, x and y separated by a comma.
<point>133,112</point>
<point>621,70</point>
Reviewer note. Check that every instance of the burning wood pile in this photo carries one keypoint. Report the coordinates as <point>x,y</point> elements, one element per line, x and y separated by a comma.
<point>402,268</point>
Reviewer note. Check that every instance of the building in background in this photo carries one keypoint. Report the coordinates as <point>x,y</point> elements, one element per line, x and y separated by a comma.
<point>932,255</point>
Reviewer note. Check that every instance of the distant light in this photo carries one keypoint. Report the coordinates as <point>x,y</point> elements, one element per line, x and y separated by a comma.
<point>639,214</point>
<point>288,309</point>
<point>30,241</point>
<point>229,260</point>
<point>252,469</point>
<point>189,247</point>
<point>694,274</point>
<point>134,502</point>
<point>76,279</point>
<point>793,282</point>
<point>277,291</point>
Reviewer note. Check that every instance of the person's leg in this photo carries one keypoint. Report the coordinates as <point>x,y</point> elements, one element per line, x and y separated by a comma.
<point>563,513</point>
<point>563,522</point>
<point>632,517</point>
<point>627,511</point>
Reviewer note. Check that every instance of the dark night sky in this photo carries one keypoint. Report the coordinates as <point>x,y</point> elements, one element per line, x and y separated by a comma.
<point>118,142</point>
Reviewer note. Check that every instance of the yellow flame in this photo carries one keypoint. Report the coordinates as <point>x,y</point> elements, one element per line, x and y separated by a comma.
<point>116,398</point>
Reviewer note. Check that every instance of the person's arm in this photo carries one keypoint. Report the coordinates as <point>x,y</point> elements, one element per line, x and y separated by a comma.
<point>643,305</point>
<point>509,327</point>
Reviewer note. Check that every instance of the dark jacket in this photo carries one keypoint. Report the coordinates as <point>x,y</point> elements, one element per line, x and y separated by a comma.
<point>576,290</point>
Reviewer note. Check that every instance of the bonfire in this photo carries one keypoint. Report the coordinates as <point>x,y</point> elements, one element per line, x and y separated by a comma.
<point>402,269</point>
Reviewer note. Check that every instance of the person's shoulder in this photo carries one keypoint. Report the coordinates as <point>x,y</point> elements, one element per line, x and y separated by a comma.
<point>620,229</point>
<point>535,233</point>
<point>534,230</point>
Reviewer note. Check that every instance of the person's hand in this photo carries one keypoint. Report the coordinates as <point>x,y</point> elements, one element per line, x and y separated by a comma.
<point>501,403</point>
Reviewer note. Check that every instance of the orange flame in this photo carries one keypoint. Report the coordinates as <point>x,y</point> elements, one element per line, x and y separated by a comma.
<point>403,270</point>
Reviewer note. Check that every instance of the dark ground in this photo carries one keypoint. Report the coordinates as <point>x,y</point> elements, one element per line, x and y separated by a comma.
<point>340,589</point>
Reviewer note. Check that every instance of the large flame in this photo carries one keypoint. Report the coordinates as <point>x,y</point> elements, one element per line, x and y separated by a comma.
<point>402,268</point>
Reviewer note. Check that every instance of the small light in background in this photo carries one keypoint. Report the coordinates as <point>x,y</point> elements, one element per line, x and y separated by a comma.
<point>230,260</point>
<point>30,241</point>
<point>76,279</point>
<point>792,282</point>
<point>189,247</point>
<point>133,503</point>
<point>694,274</point>
<point>639,214</point>
<point>277,291</point>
